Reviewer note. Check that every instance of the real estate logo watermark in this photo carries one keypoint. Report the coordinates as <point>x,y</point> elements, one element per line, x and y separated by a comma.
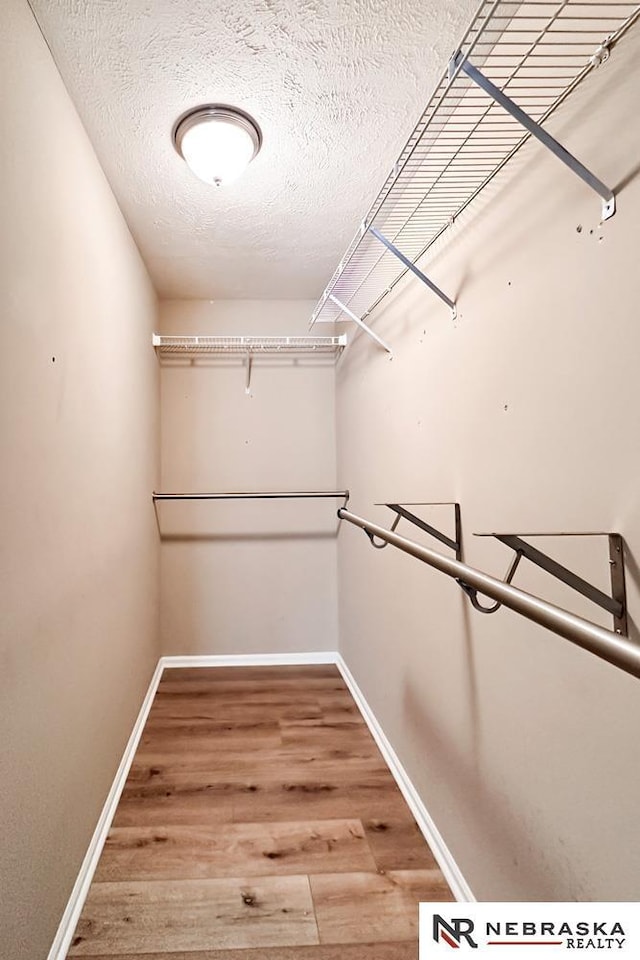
<point>530,931</point>
<point>454,931</point>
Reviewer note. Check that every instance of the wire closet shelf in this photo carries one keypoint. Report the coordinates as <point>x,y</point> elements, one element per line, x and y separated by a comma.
<point>241,346</point>
<point>537,53</point>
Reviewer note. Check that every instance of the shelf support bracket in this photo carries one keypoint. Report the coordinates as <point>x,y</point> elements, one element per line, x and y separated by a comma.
<point>360,323</point>
<point>402,513</point>
<point>411,266</point>
<point>615,604</point>
<point>249,364</point>
<point>460,63</point>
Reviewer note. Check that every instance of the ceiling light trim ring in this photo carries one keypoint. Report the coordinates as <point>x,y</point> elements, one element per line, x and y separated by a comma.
<point>216,111</point>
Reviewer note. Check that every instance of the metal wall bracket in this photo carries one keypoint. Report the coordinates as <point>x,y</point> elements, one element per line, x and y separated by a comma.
<point>460,63</point>
<point>411,266</point>
<point>249,363</point>
<point>361,323</point>
<point>615,604</point>
<point>403,514</point>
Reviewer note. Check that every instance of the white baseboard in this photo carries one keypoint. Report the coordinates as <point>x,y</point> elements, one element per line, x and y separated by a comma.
<point>71,915</point>
<point>251,659</point>
<point>441,852</point>
<point>452,873</point>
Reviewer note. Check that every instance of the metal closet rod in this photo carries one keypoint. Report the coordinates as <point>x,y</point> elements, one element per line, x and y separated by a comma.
<point>605,644</point>
<point>270,495</point>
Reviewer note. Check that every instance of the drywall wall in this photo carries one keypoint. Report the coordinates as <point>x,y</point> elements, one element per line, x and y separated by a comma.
<point>249,576</point>
<point>79,438</point>
<point>526,411</point>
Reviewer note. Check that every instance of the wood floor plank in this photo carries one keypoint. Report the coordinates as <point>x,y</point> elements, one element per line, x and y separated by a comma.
<point>217,686</point>
<point>336,713</point>
<point>257,764</point>
<point>353,718</point>
<point>311,671</point>
<point>316,798</point>
<point>175,916</point>
<point>197,800</point>
<point>247,849</point>
<point>177,721</point>
<point>176,736</point>
<point>406,950</point>
<point>330,735</point>
<point>364,906</point>
<point>270,695</point>
<point>203,708</point>
<point>397,844</point>
<point>152,804</point>
<point>237,729</point>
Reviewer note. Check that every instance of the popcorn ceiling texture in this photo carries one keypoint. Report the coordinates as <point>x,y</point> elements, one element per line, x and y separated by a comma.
<point>336,87</point>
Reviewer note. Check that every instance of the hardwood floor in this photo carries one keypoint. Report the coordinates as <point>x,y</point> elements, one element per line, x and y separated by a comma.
<point>258,822</point>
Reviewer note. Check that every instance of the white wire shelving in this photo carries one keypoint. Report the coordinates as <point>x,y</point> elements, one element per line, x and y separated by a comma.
<point>174,350</point>
<point>532,53</point>
<point>255,346</point>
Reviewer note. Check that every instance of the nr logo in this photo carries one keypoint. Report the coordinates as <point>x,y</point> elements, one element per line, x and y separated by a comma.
<point>454,932</point>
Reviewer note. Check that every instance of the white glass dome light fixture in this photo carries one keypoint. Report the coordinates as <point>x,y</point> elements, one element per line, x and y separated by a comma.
<point>217,142</point>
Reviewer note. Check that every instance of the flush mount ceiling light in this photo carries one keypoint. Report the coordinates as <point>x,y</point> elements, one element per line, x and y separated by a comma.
<point>217,142</point>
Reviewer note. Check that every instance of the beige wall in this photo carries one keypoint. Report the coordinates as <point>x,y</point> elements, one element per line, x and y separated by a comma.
<point>247,577</point>
<point>527,411</point>
<point>78,545</point>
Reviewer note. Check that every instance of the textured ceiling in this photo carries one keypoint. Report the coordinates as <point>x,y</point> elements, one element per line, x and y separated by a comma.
<point>336,87</point>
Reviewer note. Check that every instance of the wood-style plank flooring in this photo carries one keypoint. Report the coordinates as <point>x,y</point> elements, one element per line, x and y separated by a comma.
<point>258,822</point>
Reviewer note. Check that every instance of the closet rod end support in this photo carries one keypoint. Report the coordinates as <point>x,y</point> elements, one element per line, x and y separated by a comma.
<point>608,208</point>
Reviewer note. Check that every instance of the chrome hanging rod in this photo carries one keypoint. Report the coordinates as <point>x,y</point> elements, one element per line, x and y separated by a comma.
<point>605,644</point>
<point>270,495</point>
